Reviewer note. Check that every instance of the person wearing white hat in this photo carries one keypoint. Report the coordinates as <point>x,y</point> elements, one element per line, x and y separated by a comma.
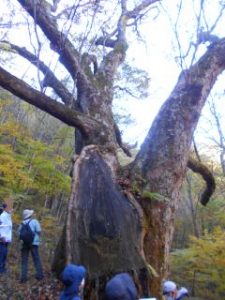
<point>29,232</point>
<point>171,292</point>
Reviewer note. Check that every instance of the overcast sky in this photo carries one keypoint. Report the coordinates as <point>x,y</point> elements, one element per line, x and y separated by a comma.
<point>159,59</point>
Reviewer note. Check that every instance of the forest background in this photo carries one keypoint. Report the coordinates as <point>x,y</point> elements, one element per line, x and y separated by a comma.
<point>35,169</point>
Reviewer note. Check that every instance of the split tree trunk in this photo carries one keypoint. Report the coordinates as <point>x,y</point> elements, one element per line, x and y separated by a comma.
<point>104,227</point>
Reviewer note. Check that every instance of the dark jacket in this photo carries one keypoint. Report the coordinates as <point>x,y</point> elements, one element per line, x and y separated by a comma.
<point>72,276</point>
<point>121,287</point>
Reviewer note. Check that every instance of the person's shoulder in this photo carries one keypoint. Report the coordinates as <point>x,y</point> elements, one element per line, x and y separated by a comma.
<point>3,215</point>
<point>35,221</point>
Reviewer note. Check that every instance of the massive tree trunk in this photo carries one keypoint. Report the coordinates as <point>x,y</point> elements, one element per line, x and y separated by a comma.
<point>104,227</point>
<point>118,219</point>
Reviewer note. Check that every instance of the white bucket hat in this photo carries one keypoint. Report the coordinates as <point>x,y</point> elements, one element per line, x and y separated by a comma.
<point>27,213</point>
<point>169,286</point>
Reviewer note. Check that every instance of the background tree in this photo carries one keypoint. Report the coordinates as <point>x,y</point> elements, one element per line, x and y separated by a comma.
<point>118,219</point>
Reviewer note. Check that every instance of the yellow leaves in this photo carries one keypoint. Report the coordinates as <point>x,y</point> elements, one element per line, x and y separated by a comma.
<point>13,129</point>
<point>204,262</point>
<point>31,166</point>
<point>12,170</point>
<point>16,218</point>
<point>48,222</point>
<point>4,104</point>
<point>210,247</point>
<point>59,160</point>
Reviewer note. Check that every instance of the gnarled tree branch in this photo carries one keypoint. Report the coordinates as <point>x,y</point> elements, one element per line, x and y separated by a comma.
<point>19,88</point>
<point>143,5</point>
<point>115,57</point>
<point>69,56</point>
<point>207,175</point>
<point>106,42</point>
<point>49,79</point>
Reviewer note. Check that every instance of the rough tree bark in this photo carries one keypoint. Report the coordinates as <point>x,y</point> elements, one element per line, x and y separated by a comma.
<point>118,219</point>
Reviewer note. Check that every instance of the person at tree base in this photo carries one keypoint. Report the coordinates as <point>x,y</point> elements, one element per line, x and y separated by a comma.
<point>171,292</point>
<point>29,233</point>
<point>73,277</point>
<point>121,286</point>
<point>5,235</point>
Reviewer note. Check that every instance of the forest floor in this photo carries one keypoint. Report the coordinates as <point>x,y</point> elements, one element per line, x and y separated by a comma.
<point>11,289</point>
<point>47,289</point>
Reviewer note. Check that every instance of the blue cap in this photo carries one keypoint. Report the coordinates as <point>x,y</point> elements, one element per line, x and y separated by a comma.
<point>72,275</point>
<point>121,287</point>
<point>4,205</point>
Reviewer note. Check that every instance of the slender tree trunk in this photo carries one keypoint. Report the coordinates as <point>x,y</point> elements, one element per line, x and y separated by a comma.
<point>192,209</point>
<point>220,143</point>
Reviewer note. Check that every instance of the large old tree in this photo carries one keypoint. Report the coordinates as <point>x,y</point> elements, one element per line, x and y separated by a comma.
<point>119,218</point>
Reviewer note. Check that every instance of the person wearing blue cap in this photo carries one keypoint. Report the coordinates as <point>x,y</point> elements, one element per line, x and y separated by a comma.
<point>73,277</point>
<point>121,287</point>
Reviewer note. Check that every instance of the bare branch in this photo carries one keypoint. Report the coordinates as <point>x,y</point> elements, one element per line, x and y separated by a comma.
<point>69,56</point>
<point>115,57</point>
<point>107,42</point>
<point>193,208</point>
<point>220,143</point>
<point>216,21</point>
<point>145,4</point>
<point>55,5</point>
<point>22,90</point>
<point>196,150</point>
<point>50,79</point>
<point>89,26</point>
<point>126,90</point>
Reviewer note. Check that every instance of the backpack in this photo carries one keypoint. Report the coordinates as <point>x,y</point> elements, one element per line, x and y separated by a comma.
<point>26,234</point>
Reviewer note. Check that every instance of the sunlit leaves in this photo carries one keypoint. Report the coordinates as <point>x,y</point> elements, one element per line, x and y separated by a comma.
<point>202,264</point>
<point>28,164</point>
